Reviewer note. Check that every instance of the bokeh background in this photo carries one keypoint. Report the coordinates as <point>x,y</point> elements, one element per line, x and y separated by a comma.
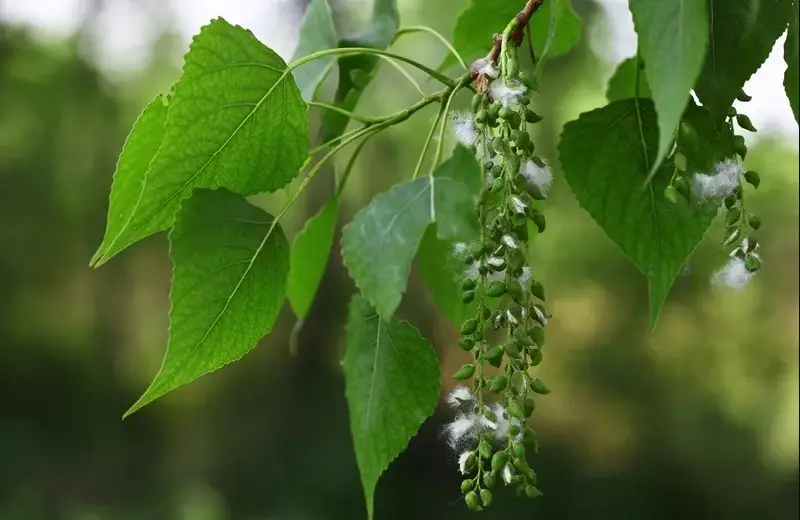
<point>698,421</point>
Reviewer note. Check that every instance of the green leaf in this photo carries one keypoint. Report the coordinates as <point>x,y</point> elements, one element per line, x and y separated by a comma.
<point>737,48</point>
<point>622,84</point>
<point>791,81</point>
<point>555,29</point>
<point>605,155</point>
<point>236,120</point>
<point>317,33</point>
<point>472,36</point>
<point>673,37</point>
<point>139,149</point>
<point>392,386</point>
<point>228,285</point>
<point>443,274</point>
<point>355,72</point>
<point>310,252</point>
<point>378,246</point>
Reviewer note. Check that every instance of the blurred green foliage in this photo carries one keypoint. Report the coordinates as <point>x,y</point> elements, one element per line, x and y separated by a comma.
<point>699,421</point>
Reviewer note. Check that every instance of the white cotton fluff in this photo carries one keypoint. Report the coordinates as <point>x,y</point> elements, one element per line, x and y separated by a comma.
<point>720,183</point>
<point>508,474</point>
<point>504,423</point>
<point>463,427</point>
<point>459,248</point>
<point>525,278</point>
<point>495,261</point>
<point>462,462</point>
<point>509,241</point>
<point>488,70</point>
<point>507,93</point>
<point>459,396</point>
<point>465,130</point>
<point>539,176</point>
<point>518,205</point>
<point>733,275</point>
<point>540,315</point>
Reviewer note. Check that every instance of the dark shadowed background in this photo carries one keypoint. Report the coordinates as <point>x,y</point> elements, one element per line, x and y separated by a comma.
<point>699,421</point>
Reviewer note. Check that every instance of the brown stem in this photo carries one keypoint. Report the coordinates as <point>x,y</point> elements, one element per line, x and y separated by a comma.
<point>522,18</point>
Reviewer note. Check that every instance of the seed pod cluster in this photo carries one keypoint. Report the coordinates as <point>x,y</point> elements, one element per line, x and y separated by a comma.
<point>507,331</point>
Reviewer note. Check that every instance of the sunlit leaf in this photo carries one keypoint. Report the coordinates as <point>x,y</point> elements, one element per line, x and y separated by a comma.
<point>236,120</point>
<point>228,285</point>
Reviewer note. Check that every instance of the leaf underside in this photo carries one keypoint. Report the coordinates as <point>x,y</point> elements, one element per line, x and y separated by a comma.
<point>392,386</point>
<point>605,155</point>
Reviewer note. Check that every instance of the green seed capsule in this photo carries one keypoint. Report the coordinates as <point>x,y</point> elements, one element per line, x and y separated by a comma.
<point>512,67</point>
<point>682,185</point>
<point>730,201</point>
<point>532,492</point>
<point>512,164</point>
<point>534,191</point>
<point>537,289</point>
<point>753,178</point>
<point>467,485</point>
<point>739,146</point>
<point>671,194</point>
<point>752,263</point>
<point>485,449</point>
<point>539,387</point>
<point>469,326</point>
<point>732,112</point>
<point>489,480</point>
<point>529,437</point>
<point>486,497</point>
<point>514,430</point>
<point>514,289</point>
<point>465,372</point>
<point>745,123</point>
<point>512,350</point>
<point>495,362</point>
<point>472,500</point>
<point>540,221</point>
<point>515,410</point>
<point>752,243</point>
<point>504,113</point>
<point>495,290</point>
<point>497,186</point>
<point>524,99</point>
<point>494,109</point>
<point>480,116</point>
<point>498,383</point>
<point>532,117</point>
<point>742,96</point>
<point>477,101</point>
<point>734,214</point>
<point>514,119</point>
<point>468,296</point>
<point>499,460</point>
<point>466,344</point>
<point>537,335</point>
<point>468,285</point>
<point>528,406</point>
<point>679,160</point>
<point>486,313</point>
<point>536,356</point>
<point>754,222</point>
<point>494,353</point>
